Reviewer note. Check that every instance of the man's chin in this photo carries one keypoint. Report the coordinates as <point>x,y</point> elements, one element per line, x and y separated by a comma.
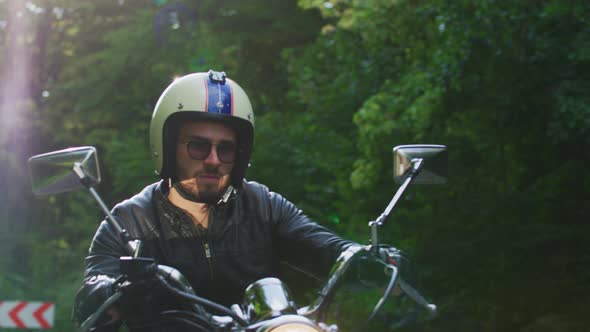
<point>210,196</point>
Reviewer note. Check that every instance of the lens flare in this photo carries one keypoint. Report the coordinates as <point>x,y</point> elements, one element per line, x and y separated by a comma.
<point>16,72</point>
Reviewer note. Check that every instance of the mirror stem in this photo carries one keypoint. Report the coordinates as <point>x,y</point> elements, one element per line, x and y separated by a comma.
<point>414,170</point>
<point>133,246</point>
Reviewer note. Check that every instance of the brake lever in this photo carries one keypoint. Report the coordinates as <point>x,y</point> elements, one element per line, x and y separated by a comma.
<point>393,261</point>
<point>417,297</point>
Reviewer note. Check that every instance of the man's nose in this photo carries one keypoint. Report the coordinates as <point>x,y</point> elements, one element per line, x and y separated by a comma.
<point>213,158</point>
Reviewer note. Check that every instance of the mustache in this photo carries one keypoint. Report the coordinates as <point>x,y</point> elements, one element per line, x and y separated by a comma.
<point>217,175</point>
<point>209,172</point>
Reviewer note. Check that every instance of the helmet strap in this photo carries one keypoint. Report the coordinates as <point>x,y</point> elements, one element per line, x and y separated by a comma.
<point>185,194</point>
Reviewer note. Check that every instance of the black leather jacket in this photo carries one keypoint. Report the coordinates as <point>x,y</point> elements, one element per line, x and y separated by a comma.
<point>247,238</point>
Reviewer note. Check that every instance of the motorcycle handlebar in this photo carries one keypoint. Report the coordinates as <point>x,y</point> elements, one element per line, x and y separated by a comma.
<point>139,270</point>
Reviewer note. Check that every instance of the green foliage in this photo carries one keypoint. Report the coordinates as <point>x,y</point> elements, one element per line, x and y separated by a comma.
<point>335,87</point>
<point>488,80</point>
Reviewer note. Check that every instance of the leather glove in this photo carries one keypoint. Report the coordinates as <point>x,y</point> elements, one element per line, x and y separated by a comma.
<point>95,291</point>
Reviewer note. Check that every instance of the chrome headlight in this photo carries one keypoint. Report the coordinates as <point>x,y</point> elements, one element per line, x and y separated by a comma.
<point>294,327</point>
<point>290,323</point>
<point>267,298</point>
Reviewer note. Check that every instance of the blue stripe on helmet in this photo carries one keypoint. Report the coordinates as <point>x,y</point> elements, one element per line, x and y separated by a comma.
<point>219,98</point>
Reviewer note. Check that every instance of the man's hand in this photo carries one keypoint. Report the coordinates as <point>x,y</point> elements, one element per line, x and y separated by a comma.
<point>95,291</point>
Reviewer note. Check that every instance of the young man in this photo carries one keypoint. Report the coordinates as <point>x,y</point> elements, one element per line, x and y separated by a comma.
<point>220,231</point>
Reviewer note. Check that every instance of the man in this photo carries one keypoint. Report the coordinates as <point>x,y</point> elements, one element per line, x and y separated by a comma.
<point>221,232</point>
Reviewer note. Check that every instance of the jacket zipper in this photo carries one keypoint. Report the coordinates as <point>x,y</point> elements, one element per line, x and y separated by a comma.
<point>206,246</point>
<point>208,256</point>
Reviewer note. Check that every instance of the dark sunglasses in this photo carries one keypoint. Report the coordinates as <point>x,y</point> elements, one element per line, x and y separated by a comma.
<point>200,149</point>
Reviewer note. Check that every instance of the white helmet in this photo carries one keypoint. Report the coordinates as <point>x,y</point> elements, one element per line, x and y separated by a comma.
<point>201,96</point>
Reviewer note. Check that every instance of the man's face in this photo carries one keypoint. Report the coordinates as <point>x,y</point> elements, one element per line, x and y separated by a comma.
<point>204,180</point>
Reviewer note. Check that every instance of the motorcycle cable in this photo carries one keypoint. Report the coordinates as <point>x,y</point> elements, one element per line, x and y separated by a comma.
<point>385,296</point>
<point>91,321</point>
<point>202,301</point>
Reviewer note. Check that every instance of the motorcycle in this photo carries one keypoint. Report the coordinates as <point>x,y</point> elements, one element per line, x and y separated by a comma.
<point>369,286</point>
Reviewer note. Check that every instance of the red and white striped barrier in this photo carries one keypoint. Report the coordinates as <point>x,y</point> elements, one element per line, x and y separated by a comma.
<point>26,315</point>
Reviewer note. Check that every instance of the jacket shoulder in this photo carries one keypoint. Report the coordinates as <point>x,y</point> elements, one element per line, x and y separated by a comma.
<point>271,205</point>
<point>255,188</point>
<point>138,213</point>
<point>256,198</point>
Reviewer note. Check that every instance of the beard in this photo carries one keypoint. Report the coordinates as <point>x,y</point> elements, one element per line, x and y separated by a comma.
<point>201,193</point>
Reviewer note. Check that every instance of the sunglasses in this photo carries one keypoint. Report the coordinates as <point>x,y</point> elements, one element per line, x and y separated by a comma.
<point>200,149</point>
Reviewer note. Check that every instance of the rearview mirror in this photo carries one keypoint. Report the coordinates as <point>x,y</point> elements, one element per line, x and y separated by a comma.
<point>53,172</point>
<point>434,166</point>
